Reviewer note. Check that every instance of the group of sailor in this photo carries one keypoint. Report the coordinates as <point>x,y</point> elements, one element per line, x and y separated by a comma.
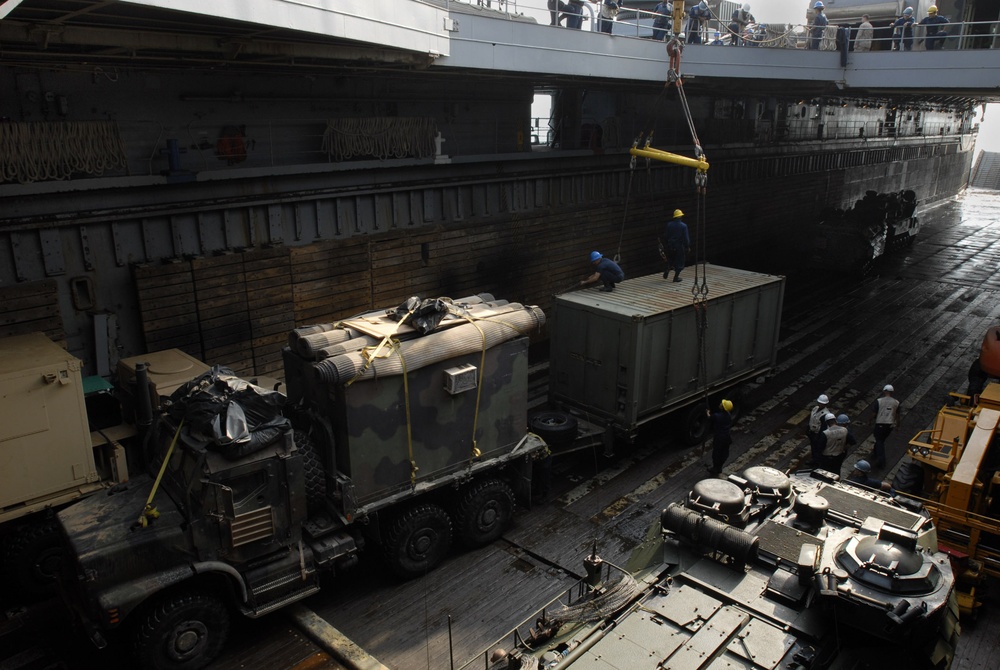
<point>829,435</point>
<point>902,30</point>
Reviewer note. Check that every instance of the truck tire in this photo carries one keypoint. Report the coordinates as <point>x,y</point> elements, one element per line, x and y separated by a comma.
<point>909,478</point>
<point>312,467</point>
<point>32,556</point>
<point>694,424</point>
<point>417,541</point>
<point>483,512</point>
<point>183,630</point>
<point>556,428</point>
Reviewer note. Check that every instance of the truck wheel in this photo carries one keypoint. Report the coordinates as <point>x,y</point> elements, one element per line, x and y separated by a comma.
<point>909,478</point>
<point>694,425</point>
<point>484,512</point>
<point>182,631</point>
<point>556,428</point>
<point>32,556</point>
<point>418,540</point>
<point>312,466</point>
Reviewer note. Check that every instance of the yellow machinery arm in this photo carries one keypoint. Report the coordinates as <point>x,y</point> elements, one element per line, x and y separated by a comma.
<point>699,164</point>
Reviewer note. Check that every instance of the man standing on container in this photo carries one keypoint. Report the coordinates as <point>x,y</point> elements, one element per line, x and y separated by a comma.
<point>819,24</point>
<point>934,37</point>
<point>675,242</point>
<point>722,422</point>
<point>886,411</point>
<point>863,40</point>
<point>605,270</point>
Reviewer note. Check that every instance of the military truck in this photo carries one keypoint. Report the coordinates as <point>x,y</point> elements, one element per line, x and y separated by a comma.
<point>402,429</point>
<point>64,437</point>
<point>763,571</point>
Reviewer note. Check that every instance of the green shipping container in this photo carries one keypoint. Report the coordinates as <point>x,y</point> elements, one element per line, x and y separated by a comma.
<point>632,355</point>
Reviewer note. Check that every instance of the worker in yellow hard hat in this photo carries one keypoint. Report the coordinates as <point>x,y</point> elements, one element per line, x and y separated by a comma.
<point>722,422</point>
<point>933,33</point>
<point>674,245</point>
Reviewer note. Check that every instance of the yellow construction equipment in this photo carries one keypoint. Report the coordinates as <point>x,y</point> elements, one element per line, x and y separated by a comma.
<point>954,473</point>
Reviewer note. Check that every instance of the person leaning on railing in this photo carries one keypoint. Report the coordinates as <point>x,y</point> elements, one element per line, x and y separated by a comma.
<point>817,26</point>
<point>934,35</point>
<point>902,31</point>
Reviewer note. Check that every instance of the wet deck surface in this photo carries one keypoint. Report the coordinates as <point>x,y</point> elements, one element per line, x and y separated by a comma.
<point>916,322</point>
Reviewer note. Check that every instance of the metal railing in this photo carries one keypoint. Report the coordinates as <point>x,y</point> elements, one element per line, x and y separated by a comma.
<point>637,23</point>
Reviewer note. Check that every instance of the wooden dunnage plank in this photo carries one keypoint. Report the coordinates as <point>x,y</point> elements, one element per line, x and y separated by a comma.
<point>32,307</point>
<point>167,307</point>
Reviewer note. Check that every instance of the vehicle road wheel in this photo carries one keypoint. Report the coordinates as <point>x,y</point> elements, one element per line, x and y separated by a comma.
<point>694,424</point>
<point>32,556</point>
<point>556,428</point>
<point>182,631</point>
<point>484,512</point>
<point>909,478</point>
<point>418,540</point>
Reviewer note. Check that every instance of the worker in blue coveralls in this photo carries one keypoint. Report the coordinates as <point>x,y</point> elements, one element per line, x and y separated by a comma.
<point>902,31</point>
<point>934,36</point>
<point>819,24</point>
<point>663,10</point>
<point>605,270</point>
<point>699,16</point>
<point>674,245</point>
<point>722,422</point>
<point>861,475</point>
<point>573,13</point>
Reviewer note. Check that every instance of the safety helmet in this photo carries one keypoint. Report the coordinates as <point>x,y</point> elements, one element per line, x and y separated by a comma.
<point>863,465</point>
<point>703,5</point>
<point>829,416</point>
<point>843,420</point>
<point>726,405</point>
<point>932,9</point>
<point>718,34</point>
<point>908,11</point>
<point>888,387</point>
<point>819,5</point>
<point>746,6</point>
<point>595,256</point>
<point>678,213</point>
<point>822,399</point>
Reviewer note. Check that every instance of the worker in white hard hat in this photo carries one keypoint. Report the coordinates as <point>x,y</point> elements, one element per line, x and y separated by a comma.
<point>835,439</point>
<point>816,426</point>
<point>902,31</point>
<point>886,410</point>
<point>863,40</point>
<point>933,33</point>
<point>817,25</point>
<point>722,422</point>
<point>738,24</point>
<point>674,243</point>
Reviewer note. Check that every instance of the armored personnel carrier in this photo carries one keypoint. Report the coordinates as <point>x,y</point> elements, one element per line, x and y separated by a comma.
<point>763,571</point>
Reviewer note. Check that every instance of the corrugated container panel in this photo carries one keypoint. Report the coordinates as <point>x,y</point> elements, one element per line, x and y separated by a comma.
<point>631,355</point>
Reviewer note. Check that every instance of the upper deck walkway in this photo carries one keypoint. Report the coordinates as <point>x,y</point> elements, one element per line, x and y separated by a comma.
<point>467,36</point>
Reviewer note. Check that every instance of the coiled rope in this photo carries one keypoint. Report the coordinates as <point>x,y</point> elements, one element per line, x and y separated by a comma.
<point>45,151</point>
<point>380,138</point>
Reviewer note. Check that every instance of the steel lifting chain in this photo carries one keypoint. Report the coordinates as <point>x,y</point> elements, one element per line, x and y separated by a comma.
<point>699,290</point>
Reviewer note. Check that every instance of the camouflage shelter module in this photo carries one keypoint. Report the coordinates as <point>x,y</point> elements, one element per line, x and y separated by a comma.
<point>390,409</point>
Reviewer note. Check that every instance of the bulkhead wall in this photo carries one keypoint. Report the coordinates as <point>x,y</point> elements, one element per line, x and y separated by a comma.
<point>222,254</point>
